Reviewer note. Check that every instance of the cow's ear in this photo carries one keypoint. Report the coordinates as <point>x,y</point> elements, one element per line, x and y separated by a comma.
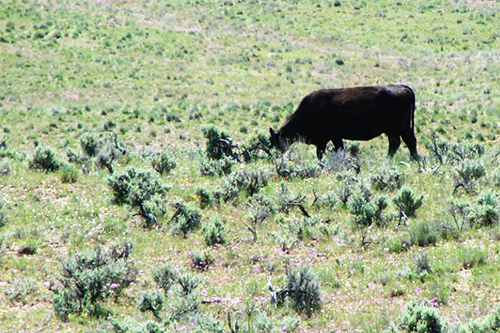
<point>272,132</point>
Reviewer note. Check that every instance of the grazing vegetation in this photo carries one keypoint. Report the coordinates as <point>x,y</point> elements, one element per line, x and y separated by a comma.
<point>139,191</point>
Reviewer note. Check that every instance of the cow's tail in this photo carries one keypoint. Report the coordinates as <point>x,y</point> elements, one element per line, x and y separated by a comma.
<point>412,105</point>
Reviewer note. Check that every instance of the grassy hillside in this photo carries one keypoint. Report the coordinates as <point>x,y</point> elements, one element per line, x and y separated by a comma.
<point>120,210</point>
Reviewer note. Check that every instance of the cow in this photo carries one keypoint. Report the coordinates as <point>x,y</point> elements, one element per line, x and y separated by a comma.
<point>356,113</point>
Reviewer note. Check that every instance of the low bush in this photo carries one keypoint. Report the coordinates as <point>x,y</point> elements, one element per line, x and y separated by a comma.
<point>213,233</point>
<point>407,202</point>
<point>361,208</point>
<point>302,288</point>
<point>45,159</point>
<point>5,150</point>
<point>153,302</point>
<point>201,260</point>
<point>490,324</point>
<point>365,211</point>
<point>4,217</point>
<point>165,276</point>
<point>327,200</point>
<point>205,196</point>
<point>220,167</point>
<point>87,279</point>
<point>68,175</point>
<point>485,211</point>
<point>420,318</point>
<point>141,189</point>
<point>188,283</point>
<point>18,291</point>
<point>466,173</point>
<point>214,148</point>
<point>90,144</point>
<point>251,181</point>
<point>421,263</point>
<point>290,168</point>
<point>185,219</point>
<point>5,167</point>
<point>451,153</point>
<point>130,325</point>
<point>163,162</point>
<point>387,179</point>
<point>106,157</point>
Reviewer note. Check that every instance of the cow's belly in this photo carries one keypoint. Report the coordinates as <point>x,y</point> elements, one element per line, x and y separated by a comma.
<point>362,133</point>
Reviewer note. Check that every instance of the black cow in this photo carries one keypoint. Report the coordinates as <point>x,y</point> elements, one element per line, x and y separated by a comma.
<point>359,113</point>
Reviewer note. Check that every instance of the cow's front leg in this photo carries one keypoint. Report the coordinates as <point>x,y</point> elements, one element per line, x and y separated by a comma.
<point>394,143</point>
<point>320,149</point>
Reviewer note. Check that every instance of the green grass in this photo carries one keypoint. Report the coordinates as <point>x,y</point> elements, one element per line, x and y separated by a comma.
<point>157,73</point>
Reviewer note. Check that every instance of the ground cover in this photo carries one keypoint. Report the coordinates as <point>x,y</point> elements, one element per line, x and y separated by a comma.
<point>121,211</point>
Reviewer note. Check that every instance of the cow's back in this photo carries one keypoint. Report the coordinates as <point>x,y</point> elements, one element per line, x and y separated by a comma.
<point>358,113</point>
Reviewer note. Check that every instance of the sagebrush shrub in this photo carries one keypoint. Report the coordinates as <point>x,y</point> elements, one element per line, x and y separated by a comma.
<point>213,233</point>
<point>459,211</point>
<point>214,149</point>
<point>106,157</point>
<point>361,209</point>
<point>205,196</point>
<point>18,291</point>
<point>421,263</point>
<point>264,323</point>
<point>249,180</point>
<point>379,204</point>
<point>220,167</point>
<point>90,144</point>
<point>467,172</point>
<point>289,168</point>
<point>69,175</point>
<point>4,217</point>
<point>163,162</point>
<point>4,166</point>
<point>305,229</point>
<point>490,324</point>
<point>141,189</point>
<point>486,210</point>
<point>153,302</point>
<point>344,192</point>
<point>185,219</point>
<point>327,200</point>
<point>303,290</point>
<point>452,153</point>
<point>5,150</point>
<point>165,276</point>
<point>130,325</point>
<point>188,283</point>
<point>407,202</point>
<point>88,279</point>
<point>259,213</point>
<point>420,318</point>
<point>45,159</point>
<point>201,260</point>
<point>387,179</point>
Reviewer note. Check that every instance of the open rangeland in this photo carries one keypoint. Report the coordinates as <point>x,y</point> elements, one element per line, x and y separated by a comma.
<point>139,191</point>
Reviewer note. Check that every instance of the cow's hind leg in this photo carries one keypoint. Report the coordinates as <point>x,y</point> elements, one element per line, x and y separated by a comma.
<point>411,141</point>
<point>338,144</point>
<point>394,143</point>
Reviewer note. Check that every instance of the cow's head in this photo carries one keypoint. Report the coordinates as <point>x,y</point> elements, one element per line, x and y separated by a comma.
<point>277,140</point>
